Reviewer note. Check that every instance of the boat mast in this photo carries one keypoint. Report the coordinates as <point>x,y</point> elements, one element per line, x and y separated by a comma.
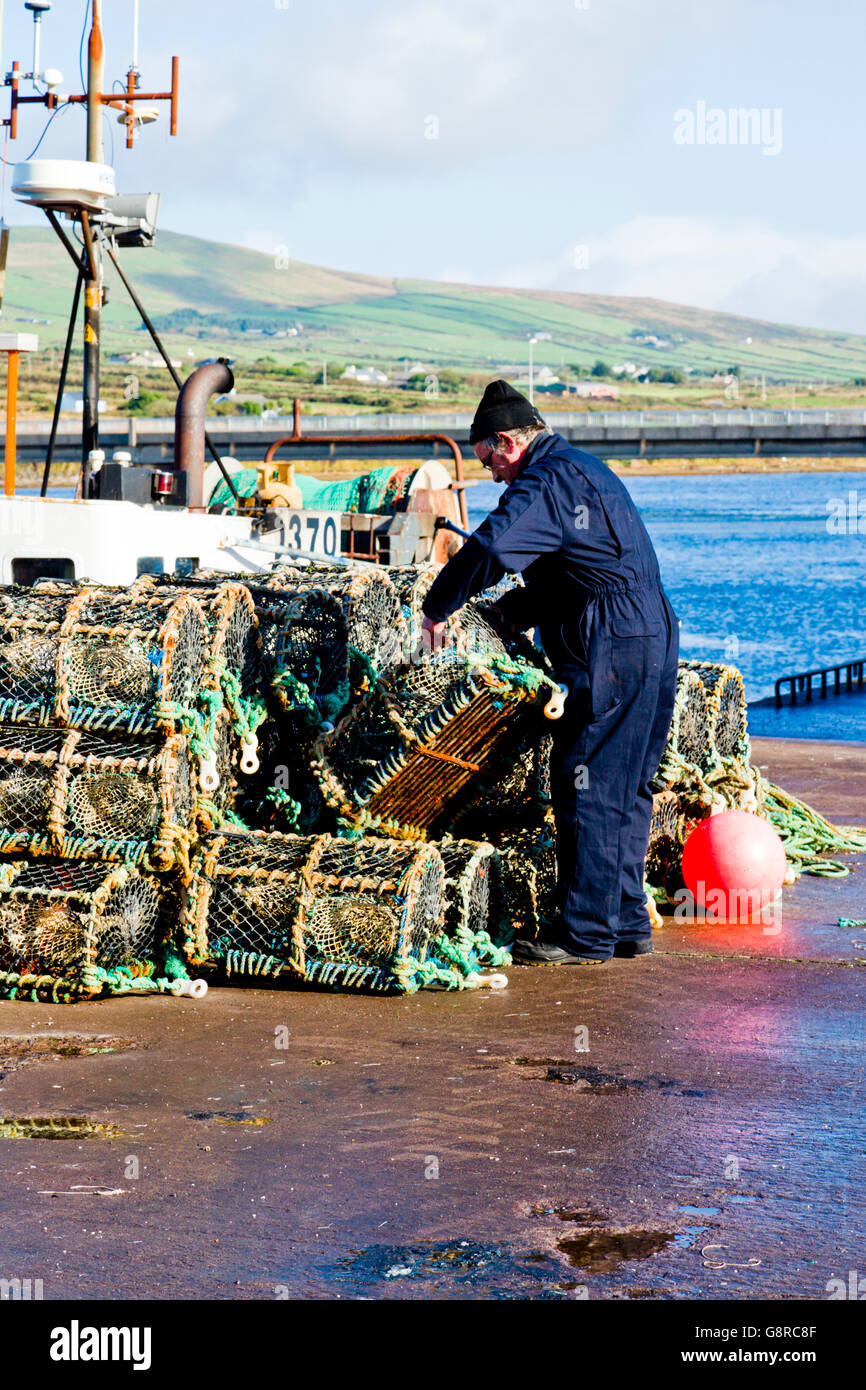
<point>93,290</point>
<point>88,214</point>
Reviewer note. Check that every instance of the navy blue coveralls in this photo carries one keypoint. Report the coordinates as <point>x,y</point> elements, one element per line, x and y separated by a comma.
<point>592,588</point>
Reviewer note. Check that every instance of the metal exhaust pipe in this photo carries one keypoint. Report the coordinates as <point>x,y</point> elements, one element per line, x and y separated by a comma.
<point>190,418</point>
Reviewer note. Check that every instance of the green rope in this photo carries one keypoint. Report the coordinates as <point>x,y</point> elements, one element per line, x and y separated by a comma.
<point>285,804</point>
<point>246,714</point>
<point>298,695</point>
<point>806,835</point>
<point>487,952</point>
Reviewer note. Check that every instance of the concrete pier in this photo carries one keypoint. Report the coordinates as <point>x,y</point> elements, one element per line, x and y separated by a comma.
<point>687,1125</point>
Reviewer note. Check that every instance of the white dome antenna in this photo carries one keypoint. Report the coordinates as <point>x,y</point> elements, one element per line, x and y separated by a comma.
<point>145,115</point>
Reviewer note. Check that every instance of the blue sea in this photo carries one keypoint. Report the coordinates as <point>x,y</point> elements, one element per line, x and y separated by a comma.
<point>765,570</point>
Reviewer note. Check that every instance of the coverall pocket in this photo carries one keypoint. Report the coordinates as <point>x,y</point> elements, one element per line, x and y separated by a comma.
<point>622,665</point>
<point>635,627</point>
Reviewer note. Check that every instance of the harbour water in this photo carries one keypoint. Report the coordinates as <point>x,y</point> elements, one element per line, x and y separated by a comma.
<point>765,570</point>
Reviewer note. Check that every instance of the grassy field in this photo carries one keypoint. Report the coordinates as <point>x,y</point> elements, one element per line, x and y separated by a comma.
<point>206,296</point>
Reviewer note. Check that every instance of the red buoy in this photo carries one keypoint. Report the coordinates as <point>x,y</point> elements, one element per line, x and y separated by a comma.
<point>734,865</point>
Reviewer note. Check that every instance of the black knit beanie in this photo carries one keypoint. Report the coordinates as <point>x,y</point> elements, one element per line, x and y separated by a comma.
<point>501,409</point>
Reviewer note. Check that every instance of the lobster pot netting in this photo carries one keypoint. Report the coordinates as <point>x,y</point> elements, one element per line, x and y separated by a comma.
<point>527,868</point>
<point>690,738</point>
<point>79,795</point>
<point>283,795</point>
<point>409,748</point>
<point>72,930</point>
<point>334,630</point>
<point>473,900</point>
<point>307,654</point>
<point>517,798</point>
<point>411,583</point>
<point>95,658</point>
<point>474,629</point>
<point>234,644</point>
<point>351,914</point>
<point>727,708</point>
<point>477,630</point>
<point>233,673</point>
<point>217,806</point>
<point>664,852</point>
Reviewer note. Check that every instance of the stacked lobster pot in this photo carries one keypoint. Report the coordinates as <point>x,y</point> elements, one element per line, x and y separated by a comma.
<point>507,807</point>
<point>706,766</point>
<point>423,737</point>
<point>111,762</point>
<point>74,929</point>
<point>327,635</point>
<point>477,921</point>
<point>271,779</point>
<point>231,679</point>
<point>513,812</point>
<point>367,914</point>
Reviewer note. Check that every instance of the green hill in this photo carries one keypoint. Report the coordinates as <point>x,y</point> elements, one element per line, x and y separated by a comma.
<point>213,297</point>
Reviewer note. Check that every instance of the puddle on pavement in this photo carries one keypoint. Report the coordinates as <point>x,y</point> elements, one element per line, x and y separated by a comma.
<point>580,1216</point>
<point>495,1271</point>
<point>601,1083</point>
<point>231,1117</point>
<point>62,1127</point>
<point>16,1051</point>
<point>564,1072</point>
<point>603,1251</point>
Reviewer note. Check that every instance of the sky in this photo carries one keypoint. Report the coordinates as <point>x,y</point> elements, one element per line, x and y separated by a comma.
<point>580,145</point>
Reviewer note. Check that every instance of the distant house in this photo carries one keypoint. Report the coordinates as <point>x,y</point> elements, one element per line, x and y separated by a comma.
<point>365,376</point>
<point>405,374</point>
<point>651,340</point>
<point>74,401</point>
<point>541,376</point>
<point>596,391</point>
<point>145,358</point>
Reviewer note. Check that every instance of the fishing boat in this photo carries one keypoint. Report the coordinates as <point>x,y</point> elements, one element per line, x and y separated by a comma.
<point>194,510</point>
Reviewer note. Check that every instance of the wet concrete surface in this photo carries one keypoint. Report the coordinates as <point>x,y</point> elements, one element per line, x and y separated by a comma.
<point>687,1125</point>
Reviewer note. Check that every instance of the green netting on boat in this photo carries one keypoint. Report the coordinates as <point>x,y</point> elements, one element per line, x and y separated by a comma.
<point>374,492</point>
<point>246,480</point>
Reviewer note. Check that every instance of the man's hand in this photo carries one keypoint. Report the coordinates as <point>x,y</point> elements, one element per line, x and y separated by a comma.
<point>432,635</point>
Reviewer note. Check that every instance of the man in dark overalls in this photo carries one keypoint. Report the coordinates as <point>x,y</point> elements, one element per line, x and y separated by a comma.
<point>592,588</point>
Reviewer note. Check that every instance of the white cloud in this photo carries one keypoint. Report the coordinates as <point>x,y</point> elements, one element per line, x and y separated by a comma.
<point>347,84</point>
<point>740,267</point>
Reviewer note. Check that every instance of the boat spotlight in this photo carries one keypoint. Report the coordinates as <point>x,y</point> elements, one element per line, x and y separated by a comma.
<point>132,218</point>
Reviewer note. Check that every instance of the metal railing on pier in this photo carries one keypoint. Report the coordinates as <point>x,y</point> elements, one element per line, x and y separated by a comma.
<point>846,678</point>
